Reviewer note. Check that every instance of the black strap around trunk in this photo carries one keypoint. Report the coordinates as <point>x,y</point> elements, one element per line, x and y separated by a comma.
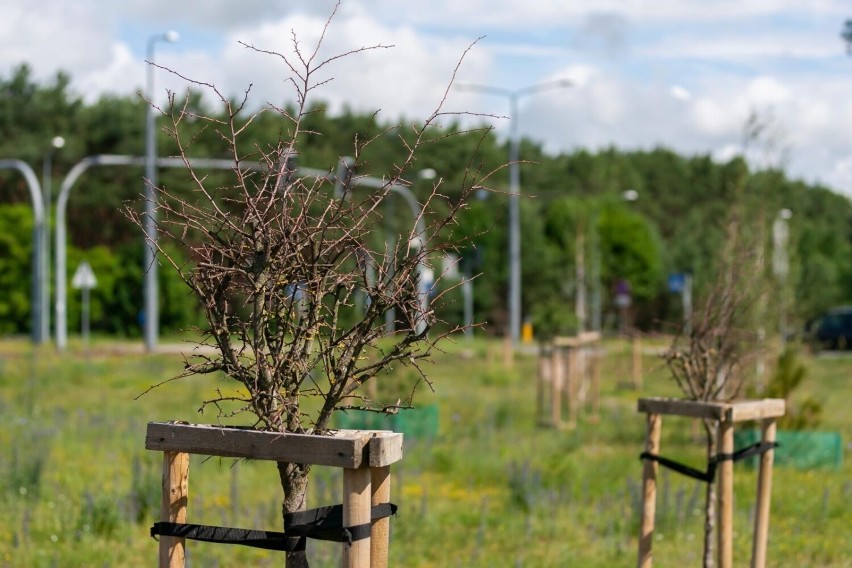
<point>323,523</point>
<point>710,474</point>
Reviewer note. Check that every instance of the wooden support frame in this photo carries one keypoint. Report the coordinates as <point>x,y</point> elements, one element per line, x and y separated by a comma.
<point>364,455</point>
<point>726,414</point>
<point>568,376</point>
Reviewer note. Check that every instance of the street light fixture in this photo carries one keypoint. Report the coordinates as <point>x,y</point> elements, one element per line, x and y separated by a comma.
<point>514,299</point>
<point>56,143</point>
<point>150,220</point>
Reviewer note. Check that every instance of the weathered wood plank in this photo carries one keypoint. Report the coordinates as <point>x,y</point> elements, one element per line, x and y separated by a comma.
<point>380,484</point>
<point>557,375</point>
<point>649,492</point>
<point>175,496</point>
<point>385,448</point>
<point>757,409</point>
<point>579,340</point>
<point>725,411</point>
<point>357,496</point>
<point>764,496</point>
<point>678,407</point>
<point>346,448</point>
<point>589,336</point>
<point>725,497</point>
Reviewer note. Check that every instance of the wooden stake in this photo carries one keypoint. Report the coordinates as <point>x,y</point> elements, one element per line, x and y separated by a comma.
<point>544,374</point>
<point>649,491</point>
<point>764,493</point>
<point>357,496</point>
<point>380,535</point>
<point>173,508</point>
<point>572,388</point>
<point>725,497</point>
<point>595,393</point>
<point>636,362</point>
<point>508,353</point>
<point>556,374</point>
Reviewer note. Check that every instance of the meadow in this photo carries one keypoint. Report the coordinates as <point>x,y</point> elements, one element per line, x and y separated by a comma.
<point>490,488</point>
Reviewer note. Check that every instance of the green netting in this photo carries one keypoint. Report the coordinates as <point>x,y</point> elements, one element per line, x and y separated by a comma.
<point>419,422</point>
<point>800,449</point>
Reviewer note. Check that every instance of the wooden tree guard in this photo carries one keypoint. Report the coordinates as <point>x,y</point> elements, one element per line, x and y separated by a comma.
<point>568,373</point>
<point>726,414</point>
<point>364,455</point>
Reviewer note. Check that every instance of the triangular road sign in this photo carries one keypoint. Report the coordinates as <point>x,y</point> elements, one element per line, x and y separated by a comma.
<point>84,277</point>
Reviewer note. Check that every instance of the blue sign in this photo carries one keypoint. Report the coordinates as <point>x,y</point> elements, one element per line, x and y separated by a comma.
<point>677,282</point>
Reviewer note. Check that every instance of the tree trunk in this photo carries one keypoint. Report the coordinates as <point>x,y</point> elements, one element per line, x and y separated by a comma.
<point>294,482</point>
<point>710,503</point>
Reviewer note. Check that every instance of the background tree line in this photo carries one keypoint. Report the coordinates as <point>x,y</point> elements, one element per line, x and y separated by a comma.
<point>572,200</point>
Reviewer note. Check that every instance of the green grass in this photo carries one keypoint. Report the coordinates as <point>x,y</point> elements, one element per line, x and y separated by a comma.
<point>493,488</point>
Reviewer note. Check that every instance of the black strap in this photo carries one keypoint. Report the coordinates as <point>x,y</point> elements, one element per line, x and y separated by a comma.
<point>710,474</point>
<point>684,469</point>
<point>267,540</point>
<point>748,451</point>
<point>323,523</point>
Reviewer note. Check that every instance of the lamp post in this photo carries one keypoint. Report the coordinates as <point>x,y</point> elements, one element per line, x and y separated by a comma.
<point>150,221</point>
<point>781,265</point>
<point>56,143</point>
<point>38,282</point>
<point>514,296</point>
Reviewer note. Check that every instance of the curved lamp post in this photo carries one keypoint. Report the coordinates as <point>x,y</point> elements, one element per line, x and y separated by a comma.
<point>39,263</point>
<point>62,204</point>
<point>152,312</point>
<point>514,296</point>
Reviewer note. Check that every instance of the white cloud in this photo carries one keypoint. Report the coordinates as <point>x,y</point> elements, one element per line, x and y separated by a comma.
<point>121,74</point>
<point>408,78</point>
<point>680,93</point>
<point>767,91</point>
<point>57,35</point>
<point>680,73</point>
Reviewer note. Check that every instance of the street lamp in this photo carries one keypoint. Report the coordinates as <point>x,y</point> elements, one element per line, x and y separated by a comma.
<point>38,282</point>
<point>514,299</point>
<point>56,143</point>
<point>150,220</point>
<point>781,264</point>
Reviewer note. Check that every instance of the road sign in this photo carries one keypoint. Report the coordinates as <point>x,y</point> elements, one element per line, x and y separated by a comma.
<point>676,282</point>
<point>84,277</point>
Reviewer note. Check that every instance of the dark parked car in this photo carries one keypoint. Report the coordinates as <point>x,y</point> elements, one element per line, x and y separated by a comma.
<point>832,330</point>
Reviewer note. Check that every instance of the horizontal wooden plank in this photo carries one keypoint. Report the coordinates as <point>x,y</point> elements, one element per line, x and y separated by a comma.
<point>385,449</point>
<point>736,411</point>
<point>345,448</point>
<point>580,340</point>
<point>679,407</point>
<point>758,409</point>
<point>589,336</point>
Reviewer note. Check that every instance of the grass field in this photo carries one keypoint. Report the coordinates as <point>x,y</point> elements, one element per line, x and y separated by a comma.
<point>492,488</point>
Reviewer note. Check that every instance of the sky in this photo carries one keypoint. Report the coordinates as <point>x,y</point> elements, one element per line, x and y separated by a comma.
<point>680,74</point>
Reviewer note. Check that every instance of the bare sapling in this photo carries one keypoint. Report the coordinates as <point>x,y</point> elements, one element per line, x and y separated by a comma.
<point>707,363</point>
<point>291,270</point>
